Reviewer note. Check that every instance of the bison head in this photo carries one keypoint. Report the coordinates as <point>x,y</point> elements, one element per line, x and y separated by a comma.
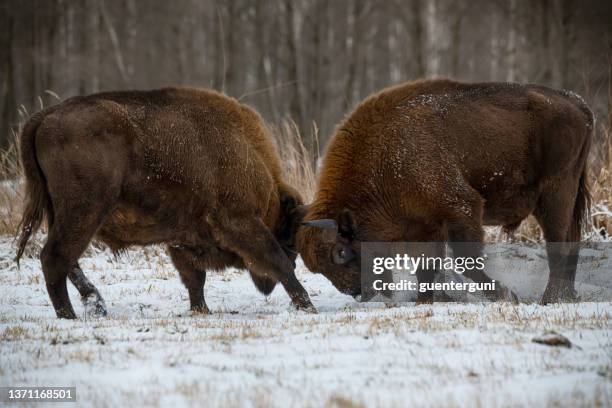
<point>329,246</point>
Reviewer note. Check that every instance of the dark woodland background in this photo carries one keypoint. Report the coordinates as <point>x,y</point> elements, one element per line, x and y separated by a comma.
<point>308,60</point>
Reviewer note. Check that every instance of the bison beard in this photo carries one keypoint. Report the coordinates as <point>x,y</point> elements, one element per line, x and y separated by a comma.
<point>435,160</point>
<point>189,168</point>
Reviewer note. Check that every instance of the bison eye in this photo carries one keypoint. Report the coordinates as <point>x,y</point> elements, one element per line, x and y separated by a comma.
<point>342,254</point>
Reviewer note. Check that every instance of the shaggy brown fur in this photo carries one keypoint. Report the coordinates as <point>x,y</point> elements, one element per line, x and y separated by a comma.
<point>435,160</point>
<point>190,168</point>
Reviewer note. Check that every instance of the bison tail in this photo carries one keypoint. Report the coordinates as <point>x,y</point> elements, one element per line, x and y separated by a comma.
<point>37,200</point>
<point>582,205</point>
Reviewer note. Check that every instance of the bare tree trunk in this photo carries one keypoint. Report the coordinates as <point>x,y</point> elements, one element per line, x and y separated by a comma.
<point>264,79</point>
<point>432,56</point>
<point>94,35</point>
<point>382,57</point>
<point>230,52</point>
<point>317,85</point>
<point>354,47</point>
<point>90,46</point>
<point>6,60</point>
<point>568,38</point>
<point>112,34</point>
<point>132,32</point>
<point>418,39</point>
<point>296,109</point>
<point>511,48</point>
<point>495,47</point>
<point>555,42</point>
<point>455,43</point>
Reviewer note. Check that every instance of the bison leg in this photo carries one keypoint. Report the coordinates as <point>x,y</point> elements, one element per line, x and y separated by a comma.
<point>428,275</point>
<point>466,237</point>
<point>425,276</point>
<point>560,286</point>
<point>193,275</point>
<point>80,205</point>
<point>555,216</point>
<point>262,255</point>
<point>68,238</point>
<point>55,266</point>
<point>91,298</point>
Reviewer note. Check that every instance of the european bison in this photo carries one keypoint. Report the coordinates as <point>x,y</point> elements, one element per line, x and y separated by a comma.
<point>435,160</point>
<point>190,168</point>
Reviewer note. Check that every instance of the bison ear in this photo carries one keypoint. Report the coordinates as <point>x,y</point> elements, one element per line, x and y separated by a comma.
<point>292,210</point>
<point>296,216</point>
<point>347,227</point>
<point>299,213</point>
<point>288,203</point>
<point>291,214</point>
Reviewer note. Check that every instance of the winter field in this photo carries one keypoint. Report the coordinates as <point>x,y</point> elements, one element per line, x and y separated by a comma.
<point>254,351</point>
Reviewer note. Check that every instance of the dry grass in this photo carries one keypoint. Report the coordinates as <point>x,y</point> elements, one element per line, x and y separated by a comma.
<point>602,187</point>
<point>298,161</point>
<point>10,191</point>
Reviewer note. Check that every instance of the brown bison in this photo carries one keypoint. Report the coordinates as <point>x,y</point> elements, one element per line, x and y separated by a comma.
<point>435,160</point>
<point>189,168</point>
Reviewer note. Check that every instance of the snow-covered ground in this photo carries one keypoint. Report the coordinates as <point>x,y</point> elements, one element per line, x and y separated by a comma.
<point>254,351</point>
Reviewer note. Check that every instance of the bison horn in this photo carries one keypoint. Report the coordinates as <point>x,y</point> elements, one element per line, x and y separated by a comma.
<point>326,223</point>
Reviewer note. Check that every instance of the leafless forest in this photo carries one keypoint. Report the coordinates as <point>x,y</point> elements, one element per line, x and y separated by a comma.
<point>308,60</point>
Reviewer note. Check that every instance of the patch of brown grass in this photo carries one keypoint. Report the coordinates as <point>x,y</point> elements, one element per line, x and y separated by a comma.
<point>11,192</point>
<point>14,333</point>
<point>297,160</point>
<point>602,187</point>
<point>337,401</point>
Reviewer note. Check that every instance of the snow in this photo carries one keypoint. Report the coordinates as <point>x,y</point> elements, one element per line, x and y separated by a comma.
<point>254,351</point>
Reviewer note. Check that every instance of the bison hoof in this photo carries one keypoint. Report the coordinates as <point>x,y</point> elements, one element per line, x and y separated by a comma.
<point>424,301</point>
<point>65,314</point>
<point>441,296</point>
<point>556,295</point>
<point>200,310</point>
<point>94,305</point>
<point>502,293</point>
<point>307,308</point>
